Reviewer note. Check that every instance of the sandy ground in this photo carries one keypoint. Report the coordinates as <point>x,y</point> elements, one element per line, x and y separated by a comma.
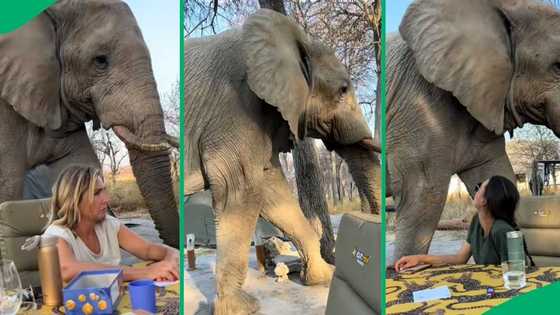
<point>288,297</point>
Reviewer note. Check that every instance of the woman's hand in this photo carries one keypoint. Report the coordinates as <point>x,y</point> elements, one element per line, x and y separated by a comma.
<point>172,255</point>
<point>408,262</point>
<point>164,270</point>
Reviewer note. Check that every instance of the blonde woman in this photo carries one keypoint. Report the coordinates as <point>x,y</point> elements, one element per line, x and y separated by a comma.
<point>89,238</point>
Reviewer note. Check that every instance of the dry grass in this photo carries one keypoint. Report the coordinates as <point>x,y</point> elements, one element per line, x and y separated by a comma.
<point>345,207</point>
<point>125,194</point>
<point>458,206</point>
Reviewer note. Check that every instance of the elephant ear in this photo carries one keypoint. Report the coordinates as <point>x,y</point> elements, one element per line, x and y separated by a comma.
<point>29,72</point>
<point>278,63</point>
<point>463,47</point>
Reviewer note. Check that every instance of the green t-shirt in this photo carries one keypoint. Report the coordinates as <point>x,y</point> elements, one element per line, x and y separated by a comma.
<point>490,250</point>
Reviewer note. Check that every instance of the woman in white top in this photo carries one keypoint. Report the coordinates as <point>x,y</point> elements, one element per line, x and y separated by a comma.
<point>89,239</point>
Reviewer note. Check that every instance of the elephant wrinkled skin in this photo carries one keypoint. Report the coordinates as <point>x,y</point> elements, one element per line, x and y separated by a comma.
<point>80,61</point>
<point>459,75</point>
<point>249,93</point>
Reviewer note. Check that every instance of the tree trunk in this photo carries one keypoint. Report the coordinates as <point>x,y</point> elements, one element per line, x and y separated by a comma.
<point>311,197</point>
<point>276,5</point>
<point>332,178</point>
<point>553,172</point>
<point>339,191</point>
<point>376,23</point>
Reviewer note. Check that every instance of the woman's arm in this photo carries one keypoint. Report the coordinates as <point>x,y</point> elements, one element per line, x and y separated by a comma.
<point>410,261</point>
<point>70,267</point>
<point>139,247</point>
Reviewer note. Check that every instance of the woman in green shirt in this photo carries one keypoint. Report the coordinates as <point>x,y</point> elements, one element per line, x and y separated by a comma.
<point>495,200</point>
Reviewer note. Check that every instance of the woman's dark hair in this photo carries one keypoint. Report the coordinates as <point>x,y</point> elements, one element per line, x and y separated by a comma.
<point>501,199</point>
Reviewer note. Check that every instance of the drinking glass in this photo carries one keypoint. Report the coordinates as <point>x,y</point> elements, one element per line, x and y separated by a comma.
<point>514,274</point>
<point>10,288</point>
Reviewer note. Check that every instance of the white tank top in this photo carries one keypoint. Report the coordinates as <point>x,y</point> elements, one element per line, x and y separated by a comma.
<point>107,233</point>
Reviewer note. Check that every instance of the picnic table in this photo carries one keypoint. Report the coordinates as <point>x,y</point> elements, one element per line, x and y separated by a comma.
<point>467,284</point>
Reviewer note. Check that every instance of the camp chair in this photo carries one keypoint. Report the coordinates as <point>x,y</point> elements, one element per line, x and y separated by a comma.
<point>539,220</point>
<point>20,220</point>
<point>356,285</point>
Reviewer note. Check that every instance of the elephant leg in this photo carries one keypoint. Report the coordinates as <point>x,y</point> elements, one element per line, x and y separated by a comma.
<point>419,202</point>
<point>497,166</point>
<point>236,202</point>
<point>234,229</point>
<point>282,210</point>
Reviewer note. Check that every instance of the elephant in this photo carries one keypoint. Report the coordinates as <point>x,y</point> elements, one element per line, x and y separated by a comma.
<point>459,75</point>
<point>251,93</point>
<point>81,61</point>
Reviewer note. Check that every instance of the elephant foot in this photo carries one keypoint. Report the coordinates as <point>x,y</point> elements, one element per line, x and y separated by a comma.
<point>318,272</point>
<point>240,303</point>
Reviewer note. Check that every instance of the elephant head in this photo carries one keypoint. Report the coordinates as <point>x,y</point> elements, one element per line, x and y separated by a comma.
<point>86,60</point>
<point>500,58</point>
<point>313,92</point>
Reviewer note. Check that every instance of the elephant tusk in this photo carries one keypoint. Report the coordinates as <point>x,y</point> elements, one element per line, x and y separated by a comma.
<point>131,140</point>
<point>173,141</point>
<point>370,144</point>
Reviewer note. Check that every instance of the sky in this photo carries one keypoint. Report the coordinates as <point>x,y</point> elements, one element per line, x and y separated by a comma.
<point>159,22</point>
<point>394,14</point>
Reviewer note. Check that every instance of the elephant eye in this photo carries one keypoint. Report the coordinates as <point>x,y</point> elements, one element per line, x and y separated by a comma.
<point>101,62</point>
<point>343,88</point>
<point>556,68</point>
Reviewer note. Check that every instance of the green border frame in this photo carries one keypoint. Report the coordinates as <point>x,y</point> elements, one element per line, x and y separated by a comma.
<point>539,301</point>
<point>182,157</point>
<point>15,13</point>
<point>383,163</point>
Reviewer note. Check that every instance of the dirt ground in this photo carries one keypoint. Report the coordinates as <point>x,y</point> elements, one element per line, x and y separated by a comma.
<point>288,297</point>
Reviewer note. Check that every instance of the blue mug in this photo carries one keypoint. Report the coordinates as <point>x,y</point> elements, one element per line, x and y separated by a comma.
<point>143,295</point>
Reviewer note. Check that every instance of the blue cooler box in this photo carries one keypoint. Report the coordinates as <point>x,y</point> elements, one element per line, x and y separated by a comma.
<point>93,292</point>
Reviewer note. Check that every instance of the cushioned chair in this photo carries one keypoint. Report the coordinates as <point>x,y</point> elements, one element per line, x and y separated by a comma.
<point>18,221</point>
<point>356,286</point>
<point>539,220</point>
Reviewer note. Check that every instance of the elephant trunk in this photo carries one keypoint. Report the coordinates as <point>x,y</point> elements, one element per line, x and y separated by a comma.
<point>152,172</point>
<point>149,157</point>
<point>365,170</point>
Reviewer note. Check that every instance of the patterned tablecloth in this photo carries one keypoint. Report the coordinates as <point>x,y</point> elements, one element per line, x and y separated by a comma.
<point>468,285</point>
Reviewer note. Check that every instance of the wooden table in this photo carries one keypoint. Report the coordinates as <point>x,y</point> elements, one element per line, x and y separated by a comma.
<point>468,285</point>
